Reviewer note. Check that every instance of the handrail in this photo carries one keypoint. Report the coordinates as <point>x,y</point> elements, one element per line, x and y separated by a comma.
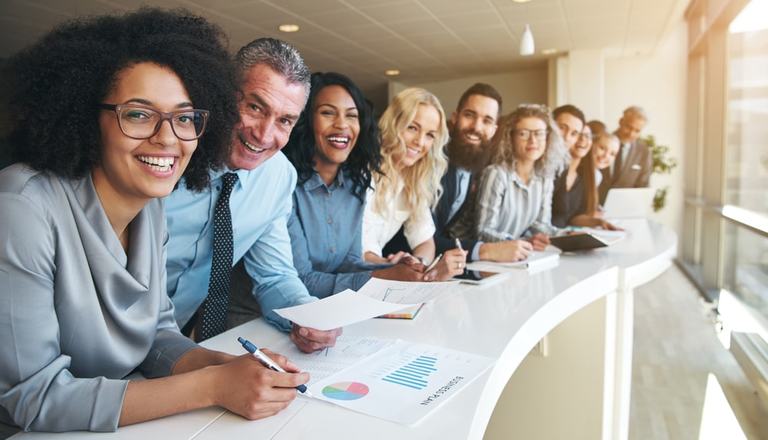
<point>746,218</point>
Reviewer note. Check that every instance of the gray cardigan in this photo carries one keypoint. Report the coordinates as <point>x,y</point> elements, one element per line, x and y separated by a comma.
<point>77,314</point>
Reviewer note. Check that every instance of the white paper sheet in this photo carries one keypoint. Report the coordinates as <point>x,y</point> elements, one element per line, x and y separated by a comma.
<point>343,308</point>
<point>607,236</point>
<point>406,292</point>
<point>402,383</point>
<point>321,364</point>
<point>536,260</point>
<point>232,426</point>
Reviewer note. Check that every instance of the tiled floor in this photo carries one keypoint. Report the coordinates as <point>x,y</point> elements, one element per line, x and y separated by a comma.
<point>675,350</point>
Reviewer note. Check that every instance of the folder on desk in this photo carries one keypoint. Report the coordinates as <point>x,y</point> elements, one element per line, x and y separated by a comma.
<point>577,242</point>
<point>409,312</point>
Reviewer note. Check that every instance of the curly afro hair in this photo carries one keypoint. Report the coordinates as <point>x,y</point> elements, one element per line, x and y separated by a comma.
<point>364,159</point>
<point>58,83</point>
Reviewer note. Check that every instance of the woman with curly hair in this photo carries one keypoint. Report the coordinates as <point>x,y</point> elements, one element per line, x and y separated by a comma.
<point>335,150</point>
<point>413,137</point>
<point>109,111</point>
<point>514,196</point>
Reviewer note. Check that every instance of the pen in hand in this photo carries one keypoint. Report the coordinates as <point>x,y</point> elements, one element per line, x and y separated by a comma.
<point>433,263</point>
<point>458,245</point>
<point>268,362</point>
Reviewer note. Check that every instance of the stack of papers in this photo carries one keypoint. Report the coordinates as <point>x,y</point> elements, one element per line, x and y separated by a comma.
<point>344,308</point>
<point>536,262</point>
<point>385,298</point>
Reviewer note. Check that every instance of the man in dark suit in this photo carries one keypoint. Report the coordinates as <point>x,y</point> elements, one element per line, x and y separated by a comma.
<point>634,163</point>
<point>471,127</point>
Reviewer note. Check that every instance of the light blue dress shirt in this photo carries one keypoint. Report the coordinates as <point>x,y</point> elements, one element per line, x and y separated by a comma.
<point>463,176</point>
<point>326,230</point>
<point>261,206</point>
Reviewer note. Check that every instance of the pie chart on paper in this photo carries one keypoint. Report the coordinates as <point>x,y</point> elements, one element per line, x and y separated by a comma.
<point>345,391</point>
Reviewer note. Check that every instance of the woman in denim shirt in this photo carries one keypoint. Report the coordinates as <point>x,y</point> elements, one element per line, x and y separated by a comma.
<point>335,150</point>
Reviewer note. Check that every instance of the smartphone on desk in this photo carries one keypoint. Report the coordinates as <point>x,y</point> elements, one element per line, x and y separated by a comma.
<point>477,277</point>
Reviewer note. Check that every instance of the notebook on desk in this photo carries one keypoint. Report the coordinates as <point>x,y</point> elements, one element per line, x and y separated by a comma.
<point>577,242</point>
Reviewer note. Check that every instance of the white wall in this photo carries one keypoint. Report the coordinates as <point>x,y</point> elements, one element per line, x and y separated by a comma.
<point>658,84</point>
<point>523,86</point>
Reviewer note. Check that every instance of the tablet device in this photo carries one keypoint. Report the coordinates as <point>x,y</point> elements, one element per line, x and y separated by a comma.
<point>629,202</point>
<point>577,242</point>
<point>478,277</point>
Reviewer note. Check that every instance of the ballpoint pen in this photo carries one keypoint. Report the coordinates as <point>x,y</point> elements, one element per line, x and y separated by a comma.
<point>268,362</point>
<point>458,245</point>
<point>433,263</point>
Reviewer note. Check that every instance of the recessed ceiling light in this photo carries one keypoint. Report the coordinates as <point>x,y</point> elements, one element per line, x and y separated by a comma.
<point>549,51</point>
<point>289,27</point>
<point>521,1</point>
<point>391,72</point>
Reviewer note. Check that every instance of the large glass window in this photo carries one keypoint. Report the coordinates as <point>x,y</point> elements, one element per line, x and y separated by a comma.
<point>746,267</point>
<point>746,146</point>
<point>746,158</point>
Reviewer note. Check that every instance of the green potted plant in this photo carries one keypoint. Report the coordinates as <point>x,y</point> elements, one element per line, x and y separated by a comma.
<point>662,164</point>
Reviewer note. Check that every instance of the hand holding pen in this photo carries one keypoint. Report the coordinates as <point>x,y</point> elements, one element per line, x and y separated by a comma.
<point>245,387</point>
<point>268,362</point>
<point>447,265</point>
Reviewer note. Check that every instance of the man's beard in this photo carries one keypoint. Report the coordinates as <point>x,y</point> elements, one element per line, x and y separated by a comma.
<point>471,157</point>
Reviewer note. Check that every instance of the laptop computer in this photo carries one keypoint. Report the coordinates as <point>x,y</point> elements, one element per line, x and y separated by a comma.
<point>629,203</point>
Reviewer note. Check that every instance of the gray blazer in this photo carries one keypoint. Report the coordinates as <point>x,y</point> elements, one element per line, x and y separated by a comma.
<point>634,172</point>
<point>77,314</point>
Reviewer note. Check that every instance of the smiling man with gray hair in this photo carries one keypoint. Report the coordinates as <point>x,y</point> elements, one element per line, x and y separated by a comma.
<point>243,216</point>
<point>634,162</point>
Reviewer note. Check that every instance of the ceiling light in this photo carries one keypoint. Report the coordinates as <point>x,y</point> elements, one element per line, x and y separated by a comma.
<point>521,1</point>
<point>289,27</point>
<point>526,42</point>
<point>550,51</point>
<point>391,72</point>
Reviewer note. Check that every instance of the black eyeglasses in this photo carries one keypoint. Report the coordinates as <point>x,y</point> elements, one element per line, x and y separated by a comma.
<point>142,122</point>
<point>524,134</point>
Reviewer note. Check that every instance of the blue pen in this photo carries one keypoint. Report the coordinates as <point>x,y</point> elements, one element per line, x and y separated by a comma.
<point>268,362</point>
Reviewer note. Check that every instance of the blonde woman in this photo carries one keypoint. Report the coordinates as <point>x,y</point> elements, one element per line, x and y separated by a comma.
<point>514,196</point>
<point>413,136</point>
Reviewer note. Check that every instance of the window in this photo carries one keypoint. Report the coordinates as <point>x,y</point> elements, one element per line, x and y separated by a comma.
<point>725,246</point>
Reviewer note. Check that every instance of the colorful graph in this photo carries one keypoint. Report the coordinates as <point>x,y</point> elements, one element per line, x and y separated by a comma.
<point>345,391</point>
<point>414,373</point>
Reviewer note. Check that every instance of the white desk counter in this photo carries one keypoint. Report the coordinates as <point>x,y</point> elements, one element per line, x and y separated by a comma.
<point>504,320</point>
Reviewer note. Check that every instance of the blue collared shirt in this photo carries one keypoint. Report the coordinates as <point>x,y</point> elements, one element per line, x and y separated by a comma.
<point>326,229</point>
<point>260,208</point>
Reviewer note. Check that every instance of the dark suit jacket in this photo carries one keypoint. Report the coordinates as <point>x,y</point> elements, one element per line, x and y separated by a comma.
<point>440,216</point>
<point>634,172</point>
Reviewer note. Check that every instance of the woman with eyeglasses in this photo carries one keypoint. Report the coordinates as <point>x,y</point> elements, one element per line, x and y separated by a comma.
<point>110,113</point>
<point>514,196</point>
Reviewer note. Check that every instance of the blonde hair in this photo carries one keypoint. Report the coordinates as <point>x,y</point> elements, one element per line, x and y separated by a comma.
<point>421,181</point>
<point>556,156</point>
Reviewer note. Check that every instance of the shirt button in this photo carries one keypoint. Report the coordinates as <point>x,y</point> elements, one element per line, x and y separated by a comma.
<point>333,249</point>
<point>330,220</point>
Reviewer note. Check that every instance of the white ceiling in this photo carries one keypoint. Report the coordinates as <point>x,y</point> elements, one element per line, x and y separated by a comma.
<point>424,39</point>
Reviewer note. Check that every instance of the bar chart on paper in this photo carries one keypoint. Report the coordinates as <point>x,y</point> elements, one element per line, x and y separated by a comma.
<point>403,382</point>
<point>414,374</point>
